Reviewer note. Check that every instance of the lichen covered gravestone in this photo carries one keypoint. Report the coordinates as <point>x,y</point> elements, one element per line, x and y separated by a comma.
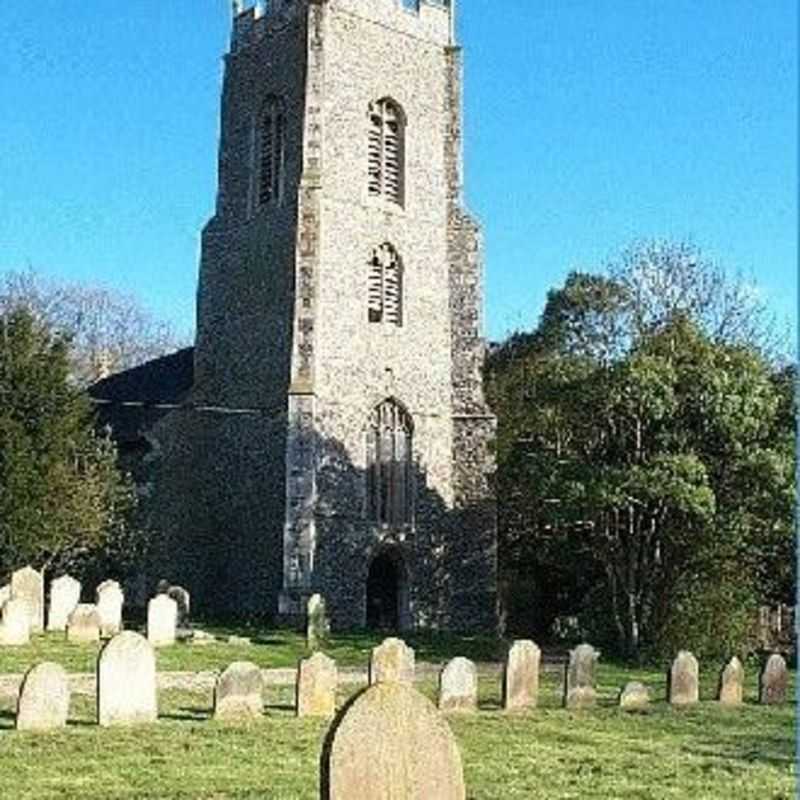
<point>317,626</point>
<point>238,692</point>
<point>83,624</point>
<point>162,620</point>
<point>579,691</point>
<point>684,680</point>
<point>521,676</point>
<point>110,599</point>
<point>65,594</point>
<point>43,699</point>
<point>392,744</point>
<point>27,584</point>
<point>773,683</point>
<point>317,679</point>
<point>184,601</point>
<point>15,629</point>
<point>392,662</point>
<point>634,697</point>
<point>126,681</point>
<point>458,686</point>
<point>731,683</point>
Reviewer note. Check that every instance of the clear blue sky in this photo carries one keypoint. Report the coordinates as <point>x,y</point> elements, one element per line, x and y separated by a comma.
<point>589,123</point>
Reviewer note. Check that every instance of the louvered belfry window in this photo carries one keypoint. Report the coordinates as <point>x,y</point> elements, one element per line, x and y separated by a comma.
<point>271,148</point>
<point>386,144</point>
<point>385,286</point>
<point>389,459</point>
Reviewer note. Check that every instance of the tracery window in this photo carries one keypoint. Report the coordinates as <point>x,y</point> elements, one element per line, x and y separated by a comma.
<point>385,286</point>
<point>271,151</point>
<point>386,151</point>
<point>389,478</point>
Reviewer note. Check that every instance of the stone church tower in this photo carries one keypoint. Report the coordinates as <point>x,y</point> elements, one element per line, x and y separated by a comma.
<point>341,438</point>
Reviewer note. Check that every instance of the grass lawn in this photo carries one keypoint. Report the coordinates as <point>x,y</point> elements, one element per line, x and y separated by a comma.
<point>703,753</point>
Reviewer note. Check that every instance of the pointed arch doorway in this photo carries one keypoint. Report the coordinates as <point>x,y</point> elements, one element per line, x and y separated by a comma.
<point>387,592</point>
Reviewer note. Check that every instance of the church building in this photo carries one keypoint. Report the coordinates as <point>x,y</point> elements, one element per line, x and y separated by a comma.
<point>330,432</point>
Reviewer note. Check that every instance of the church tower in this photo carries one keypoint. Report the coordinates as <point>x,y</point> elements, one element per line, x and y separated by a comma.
<point>338,327</point>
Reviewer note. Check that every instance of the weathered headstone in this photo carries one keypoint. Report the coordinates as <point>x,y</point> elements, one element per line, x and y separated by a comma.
<point>162,619</point>
<point>27,584</point>
<point>184,601</point>
<point>731,683</point>
<point>392,744</point>
<point>110,600</point>
<point>634,697</point>
<point>126,681</point>
<point>65,594</point>
<point>43,699</point>
<point>317,626</point>
<point>16,627</point>
<point>579,691</point>
<point>521,676</point>
<point>392,662</point>
<point>317,679</point>
<point>458,686</point>
<point>83,625</point>
<point>684,680</point>
<point>238,692</point>
<point>773,683</point>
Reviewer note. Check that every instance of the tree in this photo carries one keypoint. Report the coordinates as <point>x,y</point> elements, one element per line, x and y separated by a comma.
<point>108,331</point>
<point>62,500</point>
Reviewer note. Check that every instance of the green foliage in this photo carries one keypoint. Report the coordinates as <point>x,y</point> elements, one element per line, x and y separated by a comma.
<point>62,500</point>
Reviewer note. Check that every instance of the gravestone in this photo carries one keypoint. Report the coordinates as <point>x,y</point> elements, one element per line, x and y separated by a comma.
<point>773,683</point>
<point>634,697</point>
<point>238,692</point>
<point>162,618</point>
<point>126,681</point>
<point>65,594</point>
<point>27,584</point>
<point>317,679</point>
<point>43,699</point>
<point>458,686</point>
<point>392,744</point>
<point>521,676</point>
<point>684,680</point>
<point>184,602</point>
<point>110,600</point>
<point>83,625</point>
<point>162,587</point>
<point>317,626</point>
<point>579,691</point>
<point>16,627</point>
<point>392,662</point>
<point>731,683</point>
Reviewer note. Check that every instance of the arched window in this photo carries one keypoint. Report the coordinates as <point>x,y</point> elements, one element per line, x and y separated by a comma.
<point>389,495</point>
<point>271,147</point>
<point>386,150</point>
<point>385,286</point>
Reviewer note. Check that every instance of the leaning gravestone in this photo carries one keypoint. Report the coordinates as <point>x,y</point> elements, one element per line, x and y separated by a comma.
<point>317,679</point>
<point>317,627</point>
<point>126,681</point>
<point>634,697</point>
<point>458,686</point>
<point>731,683</point>
<point>110,600</point>
<point>392,662</point>
<point>27,584</point>
<point>184,601</point>
<point>392,744</point>
<point>684,680</point>
<point>83,625</point>
<point>16,627</point>
<point>162,619</point>
<point>43,699</point>
<point>521,676</point>
<point>238,692</point>
<point>773,683</point>
<point>65,594</point>
<point>579,691</point>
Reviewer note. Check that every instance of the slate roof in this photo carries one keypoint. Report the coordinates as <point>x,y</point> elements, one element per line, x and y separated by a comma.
<point>163,380</point>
